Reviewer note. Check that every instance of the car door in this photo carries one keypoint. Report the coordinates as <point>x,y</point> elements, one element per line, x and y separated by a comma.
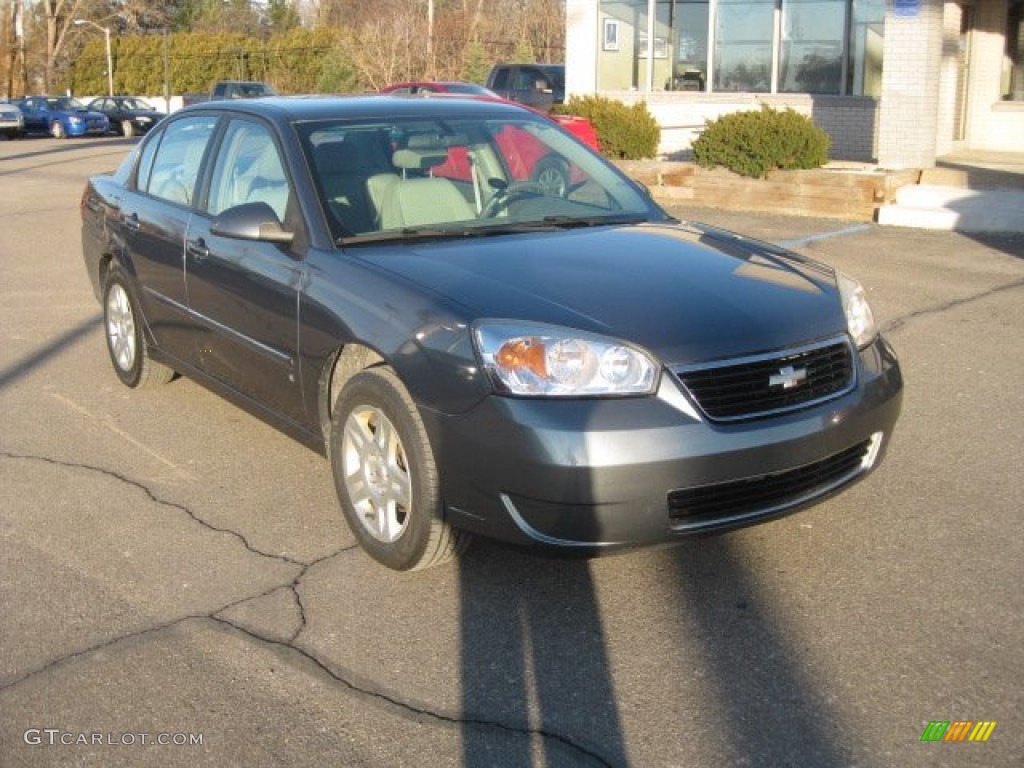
<point>154,217</point>
<point>37,114</point>
<point>244,294</point>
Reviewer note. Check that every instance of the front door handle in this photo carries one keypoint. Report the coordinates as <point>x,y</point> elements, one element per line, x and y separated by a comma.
<point>132,222</point>
<point>197,249</point>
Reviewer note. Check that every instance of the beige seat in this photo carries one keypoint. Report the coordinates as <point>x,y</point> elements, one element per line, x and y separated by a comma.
<point>415,199</point>
<point>265,182</point>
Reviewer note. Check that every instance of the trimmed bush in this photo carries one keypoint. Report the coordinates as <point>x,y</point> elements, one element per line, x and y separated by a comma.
<point>626,132</point>
<point>756,142</point>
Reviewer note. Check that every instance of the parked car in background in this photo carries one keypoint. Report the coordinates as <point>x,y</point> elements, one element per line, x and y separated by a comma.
<point>580,127</point>
<point>536,165</point>
<point>127,115</point>
<point>61,116</point>
<point>577,371</point>
<point>12,121</point>
<point>232,89</point>
<point>540,86</point>
<point>439,86</point>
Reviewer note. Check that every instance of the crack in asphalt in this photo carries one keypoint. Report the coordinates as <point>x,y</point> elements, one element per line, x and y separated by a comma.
<point>217,616</point>
<point>156,499</point>
<point>899,322</point>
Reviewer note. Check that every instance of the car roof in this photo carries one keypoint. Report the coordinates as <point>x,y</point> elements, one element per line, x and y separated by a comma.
<point>373,107</point>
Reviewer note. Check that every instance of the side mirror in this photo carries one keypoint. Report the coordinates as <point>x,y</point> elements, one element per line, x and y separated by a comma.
<point>251,221</point>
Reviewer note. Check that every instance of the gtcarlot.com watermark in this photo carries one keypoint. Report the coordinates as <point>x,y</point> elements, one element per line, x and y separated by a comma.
<point>53,737</point>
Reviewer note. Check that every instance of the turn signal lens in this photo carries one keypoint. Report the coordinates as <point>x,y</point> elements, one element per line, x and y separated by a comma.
<point>526,359</point>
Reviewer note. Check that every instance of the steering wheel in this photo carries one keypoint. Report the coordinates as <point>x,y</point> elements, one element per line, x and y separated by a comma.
<point>507,195</point>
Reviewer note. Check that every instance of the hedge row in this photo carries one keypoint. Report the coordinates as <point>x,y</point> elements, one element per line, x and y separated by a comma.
<point>297,61</point>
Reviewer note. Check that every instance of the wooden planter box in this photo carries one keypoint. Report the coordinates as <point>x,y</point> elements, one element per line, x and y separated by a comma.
<point>854,195</point>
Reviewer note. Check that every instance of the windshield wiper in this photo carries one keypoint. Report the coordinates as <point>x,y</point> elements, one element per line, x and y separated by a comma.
<point>498,228</point>
<point>407,234</point>
<point>569,222</point>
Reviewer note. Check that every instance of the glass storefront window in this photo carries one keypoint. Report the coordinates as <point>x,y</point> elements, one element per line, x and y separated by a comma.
<point>743,45</point>
<point>1013,77</point>
<point>867,24</point>
<point>811,58</point>
<point>759,46</point>
<point>690,56</point>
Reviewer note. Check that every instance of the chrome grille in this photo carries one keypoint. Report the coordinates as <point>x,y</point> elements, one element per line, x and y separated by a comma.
<point>772,383</point>
<point>769,493</point>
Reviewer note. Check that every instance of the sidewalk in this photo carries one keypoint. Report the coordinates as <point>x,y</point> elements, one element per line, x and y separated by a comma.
<point>970,191</point>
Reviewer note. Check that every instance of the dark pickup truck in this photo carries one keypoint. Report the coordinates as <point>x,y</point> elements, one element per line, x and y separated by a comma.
<point>232,89</point>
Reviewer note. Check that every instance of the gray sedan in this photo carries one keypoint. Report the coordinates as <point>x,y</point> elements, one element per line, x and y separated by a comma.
<point>475,353</point>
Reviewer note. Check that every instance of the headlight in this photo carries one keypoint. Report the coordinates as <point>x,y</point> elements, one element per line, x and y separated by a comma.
<point>859,320</point>
<point>548,361</point>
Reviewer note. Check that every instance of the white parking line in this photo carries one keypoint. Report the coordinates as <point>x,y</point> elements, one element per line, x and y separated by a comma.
<point>123,435</point>
<point>796,243</point>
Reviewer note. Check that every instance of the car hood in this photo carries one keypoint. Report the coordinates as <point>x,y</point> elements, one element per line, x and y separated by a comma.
<point>687,293</point>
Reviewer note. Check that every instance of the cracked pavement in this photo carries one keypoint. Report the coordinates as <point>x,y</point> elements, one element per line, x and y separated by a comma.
<point>171,566</point>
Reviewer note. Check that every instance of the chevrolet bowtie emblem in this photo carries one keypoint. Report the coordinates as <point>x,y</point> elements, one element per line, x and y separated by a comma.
<point>788,377</point>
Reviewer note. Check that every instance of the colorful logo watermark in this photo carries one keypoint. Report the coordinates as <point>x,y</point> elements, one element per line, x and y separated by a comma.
<point>958,730</point>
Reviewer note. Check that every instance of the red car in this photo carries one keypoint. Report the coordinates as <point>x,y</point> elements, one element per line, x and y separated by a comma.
<point>533,162</point>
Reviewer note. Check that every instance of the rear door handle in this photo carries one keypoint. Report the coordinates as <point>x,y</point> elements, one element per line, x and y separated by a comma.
<point>197,249</point>
<point>132,222</point>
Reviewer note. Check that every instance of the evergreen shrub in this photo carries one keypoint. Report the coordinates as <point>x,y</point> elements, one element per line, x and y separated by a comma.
<point>753,143</point>
<point>625,132</point>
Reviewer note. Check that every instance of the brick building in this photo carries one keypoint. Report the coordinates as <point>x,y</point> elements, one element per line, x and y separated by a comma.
<point>898,82</point>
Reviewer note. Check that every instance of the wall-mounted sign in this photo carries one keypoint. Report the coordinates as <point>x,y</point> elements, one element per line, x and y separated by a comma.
<point>907,9</point>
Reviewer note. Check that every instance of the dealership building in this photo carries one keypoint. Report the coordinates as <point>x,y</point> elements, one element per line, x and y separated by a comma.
<point>895,82</point>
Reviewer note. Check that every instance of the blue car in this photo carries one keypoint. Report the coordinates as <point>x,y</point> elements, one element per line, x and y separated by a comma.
<point>61,116</point>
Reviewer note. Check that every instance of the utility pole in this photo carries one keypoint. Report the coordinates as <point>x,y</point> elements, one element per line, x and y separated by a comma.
<point>110,59</point>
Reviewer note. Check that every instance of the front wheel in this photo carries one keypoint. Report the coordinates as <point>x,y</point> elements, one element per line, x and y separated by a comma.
<point>552,175</point>
<point>127,128</point>
<point>385,476</point>
<point>126,341</point>
<point>57,130</point>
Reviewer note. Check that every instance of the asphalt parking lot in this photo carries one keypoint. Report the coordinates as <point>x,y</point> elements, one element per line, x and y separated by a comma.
<point>177,585</point>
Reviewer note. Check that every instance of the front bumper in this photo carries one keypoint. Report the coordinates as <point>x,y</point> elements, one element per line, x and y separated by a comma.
<point>90,128</point>
<point>608,473</point>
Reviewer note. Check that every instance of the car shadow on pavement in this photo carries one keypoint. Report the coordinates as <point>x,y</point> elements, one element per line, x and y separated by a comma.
<point>545,683</point>
<point>770,709</point>
<point>26,365</point>
<point>118,147</point>
<point>536,679</point>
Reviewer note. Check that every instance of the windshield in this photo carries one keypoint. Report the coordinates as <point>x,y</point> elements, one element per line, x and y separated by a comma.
<point>464,176</point>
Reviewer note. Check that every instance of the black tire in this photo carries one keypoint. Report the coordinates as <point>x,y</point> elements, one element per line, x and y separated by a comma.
<point>126,341</point>
<point>552,174</point>
<point>385,475</point>
<point>57,130</point>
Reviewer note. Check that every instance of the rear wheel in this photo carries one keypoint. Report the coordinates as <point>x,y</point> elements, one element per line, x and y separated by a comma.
<point>385,475</point>
<point>57,130</point>
<point>126,341</point>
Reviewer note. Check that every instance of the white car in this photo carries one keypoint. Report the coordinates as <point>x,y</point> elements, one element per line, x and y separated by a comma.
<point>12,121</point>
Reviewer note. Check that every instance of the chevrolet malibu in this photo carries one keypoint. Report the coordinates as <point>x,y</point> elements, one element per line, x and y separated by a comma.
<point>477,354</point>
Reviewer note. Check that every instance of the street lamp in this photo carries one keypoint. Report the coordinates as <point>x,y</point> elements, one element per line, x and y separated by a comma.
<point>110,61</point>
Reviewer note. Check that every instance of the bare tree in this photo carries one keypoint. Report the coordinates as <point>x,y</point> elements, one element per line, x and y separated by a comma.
<point>13,27</point>
<point>389,48</point>
<point>58,14</point>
